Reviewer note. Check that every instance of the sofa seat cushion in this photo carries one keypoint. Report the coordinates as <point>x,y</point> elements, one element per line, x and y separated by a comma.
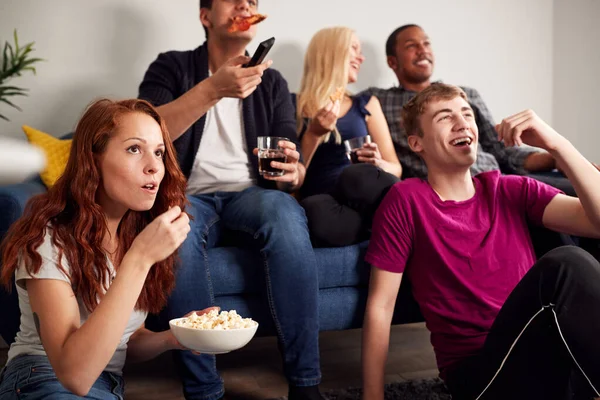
<point>238,271</point>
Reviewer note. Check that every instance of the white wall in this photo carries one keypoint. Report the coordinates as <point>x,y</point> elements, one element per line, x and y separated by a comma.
<point>577,73</point>
<point>102,48</point>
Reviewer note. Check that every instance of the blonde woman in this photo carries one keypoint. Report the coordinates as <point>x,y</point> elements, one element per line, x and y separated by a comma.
<point>339,198</point>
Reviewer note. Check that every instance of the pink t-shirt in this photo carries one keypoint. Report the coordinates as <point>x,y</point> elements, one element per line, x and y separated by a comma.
<point>462,258</point>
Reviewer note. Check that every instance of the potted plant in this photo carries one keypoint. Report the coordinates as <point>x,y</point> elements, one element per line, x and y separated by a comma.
<point>15,61</point>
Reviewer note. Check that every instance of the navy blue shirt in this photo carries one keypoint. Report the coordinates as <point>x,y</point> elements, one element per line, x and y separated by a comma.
<point>330,158</point>
<point>268,111</point>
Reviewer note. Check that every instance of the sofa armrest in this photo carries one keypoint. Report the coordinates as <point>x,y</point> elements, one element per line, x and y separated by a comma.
<point>13,199</point>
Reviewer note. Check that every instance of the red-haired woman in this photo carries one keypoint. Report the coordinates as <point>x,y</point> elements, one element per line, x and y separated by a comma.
<point>95,254</point>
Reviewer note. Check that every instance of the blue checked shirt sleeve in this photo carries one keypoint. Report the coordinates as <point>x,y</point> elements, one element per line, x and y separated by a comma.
<point>510,159</point>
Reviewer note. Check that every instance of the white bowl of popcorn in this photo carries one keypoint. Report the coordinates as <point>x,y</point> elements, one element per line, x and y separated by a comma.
<point>214,332</point>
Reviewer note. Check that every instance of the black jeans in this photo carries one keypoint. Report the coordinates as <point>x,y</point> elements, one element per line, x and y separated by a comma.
<point>545,342</point>
<point>343,217</point>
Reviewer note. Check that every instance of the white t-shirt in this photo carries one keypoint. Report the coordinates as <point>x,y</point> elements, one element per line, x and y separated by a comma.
<point>222,162</point>
<point>28,341</point>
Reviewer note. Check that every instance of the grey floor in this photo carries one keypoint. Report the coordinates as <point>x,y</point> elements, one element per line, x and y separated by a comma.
<point>254,372</point>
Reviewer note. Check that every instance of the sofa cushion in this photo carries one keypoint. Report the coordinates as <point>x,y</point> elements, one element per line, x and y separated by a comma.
<point>56,151</point>
<point>237,270</point>
<point>13,199</point>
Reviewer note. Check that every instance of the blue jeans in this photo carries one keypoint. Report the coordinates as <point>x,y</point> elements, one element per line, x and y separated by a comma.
<point>274,224</point>
<point>32,377</point>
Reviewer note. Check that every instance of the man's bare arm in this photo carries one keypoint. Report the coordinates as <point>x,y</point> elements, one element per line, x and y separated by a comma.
<point>383,290</point>
<point>572,215</point>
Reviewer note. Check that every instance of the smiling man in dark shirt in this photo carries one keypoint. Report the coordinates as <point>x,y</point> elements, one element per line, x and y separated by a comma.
<point>410,56</point>
<point>215,109</point>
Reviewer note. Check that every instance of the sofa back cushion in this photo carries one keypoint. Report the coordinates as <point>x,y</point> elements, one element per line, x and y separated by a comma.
<point>56,151</point>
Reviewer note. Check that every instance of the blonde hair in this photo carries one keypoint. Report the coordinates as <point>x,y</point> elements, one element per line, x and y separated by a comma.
<point>326,66</point>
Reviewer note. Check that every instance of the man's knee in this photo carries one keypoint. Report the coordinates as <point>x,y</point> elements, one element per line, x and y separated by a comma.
<point>572,260</point>
<point>203,217</point>
<point>331,223</point>
<point>313,205</point>
<point>202,213</point>
<point>357,175</point>
<point>363,185</point>
<point>278,207</point>
<point>568,254</point>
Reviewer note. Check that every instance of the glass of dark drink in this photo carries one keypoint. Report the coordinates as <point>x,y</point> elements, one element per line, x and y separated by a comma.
<point>268,151</point>
<point>355,144</point>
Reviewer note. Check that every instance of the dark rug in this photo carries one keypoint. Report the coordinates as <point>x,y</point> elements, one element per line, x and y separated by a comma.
<point>427,389</point>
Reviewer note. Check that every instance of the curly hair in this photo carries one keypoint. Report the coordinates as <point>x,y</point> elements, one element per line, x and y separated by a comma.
<point>78,223</point>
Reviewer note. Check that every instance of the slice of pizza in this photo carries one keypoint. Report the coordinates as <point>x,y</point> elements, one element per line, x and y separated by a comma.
<point>240,24</point>
<point>337,95</point>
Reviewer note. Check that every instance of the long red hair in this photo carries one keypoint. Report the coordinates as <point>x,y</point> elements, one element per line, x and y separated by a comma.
<point>78,222</point>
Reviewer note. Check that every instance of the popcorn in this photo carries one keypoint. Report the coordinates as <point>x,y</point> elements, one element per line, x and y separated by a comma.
<point>225,321</point>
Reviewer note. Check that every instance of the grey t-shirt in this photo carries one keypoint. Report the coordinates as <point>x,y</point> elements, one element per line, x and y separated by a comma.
<point>28,341</point>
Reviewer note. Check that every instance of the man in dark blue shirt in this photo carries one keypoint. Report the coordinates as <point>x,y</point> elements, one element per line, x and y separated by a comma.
<point>214,110</point>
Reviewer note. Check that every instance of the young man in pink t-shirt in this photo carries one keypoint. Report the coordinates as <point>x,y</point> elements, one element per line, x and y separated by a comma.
<point>503,324</point>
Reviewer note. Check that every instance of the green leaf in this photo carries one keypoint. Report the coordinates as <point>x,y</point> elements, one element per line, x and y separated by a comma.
<point>15,61</point>
<point>4,118</point>
<point>11,88</point>
<point>5,57</point>
<point>14,94</point>
<point>31,61</point>
<point>28,47</point>
<point>12,91</point>
<point>11,104</point>
<point>16,40</point>
<point>11,55</point>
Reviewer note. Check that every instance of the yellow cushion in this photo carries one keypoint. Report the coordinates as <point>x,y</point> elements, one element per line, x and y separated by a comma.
<point>56,151</point>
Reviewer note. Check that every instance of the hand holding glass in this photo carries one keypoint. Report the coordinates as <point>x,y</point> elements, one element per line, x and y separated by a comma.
<point>268,151</point>
<point>355,144</point>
